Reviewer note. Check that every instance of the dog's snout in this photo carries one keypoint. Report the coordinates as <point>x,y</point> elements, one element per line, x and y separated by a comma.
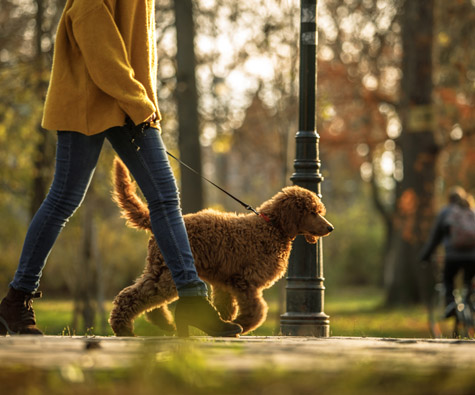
<point>330,228</point>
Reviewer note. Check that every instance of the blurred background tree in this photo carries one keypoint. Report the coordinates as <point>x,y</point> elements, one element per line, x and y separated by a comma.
<point>246,56</point>
<point>187,106</point>
<point>412,213</point>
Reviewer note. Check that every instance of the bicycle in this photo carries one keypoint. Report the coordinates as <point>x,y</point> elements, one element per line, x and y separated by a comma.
<point>460,324</point>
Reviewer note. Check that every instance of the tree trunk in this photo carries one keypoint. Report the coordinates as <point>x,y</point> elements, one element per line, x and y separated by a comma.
<point>89,249</point>
<point>44,153</point>
<point>187,102</point>
<point>404,276</point>
<point>85,286</point>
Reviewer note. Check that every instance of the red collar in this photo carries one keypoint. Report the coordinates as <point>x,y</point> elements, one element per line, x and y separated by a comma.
<point>264,217</point>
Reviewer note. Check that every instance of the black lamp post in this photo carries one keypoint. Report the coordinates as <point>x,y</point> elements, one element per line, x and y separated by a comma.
<point>305,289</point>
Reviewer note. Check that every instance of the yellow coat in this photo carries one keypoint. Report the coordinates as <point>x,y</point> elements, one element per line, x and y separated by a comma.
<point>104,66</point>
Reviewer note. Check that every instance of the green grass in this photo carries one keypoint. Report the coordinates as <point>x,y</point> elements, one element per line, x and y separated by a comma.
<point>355,312</point>
<point>361,312</point>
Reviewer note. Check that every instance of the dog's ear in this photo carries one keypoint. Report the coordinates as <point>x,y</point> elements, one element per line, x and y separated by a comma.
<point>287,209</point>
<point>279,209</point>
<point>311,239</point>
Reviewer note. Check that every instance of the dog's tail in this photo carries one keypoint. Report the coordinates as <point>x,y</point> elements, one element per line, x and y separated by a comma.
<point>125,195</point>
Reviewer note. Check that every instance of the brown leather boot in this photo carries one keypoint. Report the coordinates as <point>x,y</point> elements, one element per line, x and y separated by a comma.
<point>17,315</point>
<point>197,311</point>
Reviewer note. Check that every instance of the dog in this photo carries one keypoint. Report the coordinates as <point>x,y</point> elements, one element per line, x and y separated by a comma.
<point>239,255</point>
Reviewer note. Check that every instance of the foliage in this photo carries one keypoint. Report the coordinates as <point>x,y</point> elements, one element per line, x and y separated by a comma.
<point>247,82</point>
<point>352,256</point>
<point>361,121</point>
<point>11,236</point>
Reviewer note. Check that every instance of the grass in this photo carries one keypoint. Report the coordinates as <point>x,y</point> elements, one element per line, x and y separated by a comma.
<point>355,312</point>
<point>360,312</point>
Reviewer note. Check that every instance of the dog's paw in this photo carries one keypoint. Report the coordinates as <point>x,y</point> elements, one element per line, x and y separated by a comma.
<point>160,319</point>
<point>123,331</point>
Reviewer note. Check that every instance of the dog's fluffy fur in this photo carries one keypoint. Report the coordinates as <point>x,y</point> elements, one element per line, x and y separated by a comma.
<point>239,255</point>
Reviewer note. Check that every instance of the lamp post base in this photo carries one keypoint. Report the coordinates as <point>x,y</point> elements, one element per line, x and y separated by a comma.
<point>295,324</point>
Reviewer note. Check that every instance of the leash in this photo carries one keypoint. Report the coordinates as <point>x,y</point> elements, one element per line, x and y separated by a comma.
<point>137,130</point>
<point>245,205</point>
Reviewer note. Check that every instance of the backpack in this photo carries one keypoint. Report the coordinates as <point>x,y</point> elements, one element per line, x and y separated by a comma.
<point>462,228</point>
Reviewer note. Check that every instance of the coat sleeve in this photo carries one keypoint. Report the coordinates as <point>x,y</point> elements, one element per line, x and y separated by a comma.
<point>435,237</point>
<point>105,55</point>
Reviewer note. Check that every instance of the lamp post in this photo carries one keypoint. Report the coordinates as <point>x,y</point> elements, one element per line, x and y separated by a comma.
<point>305,290</point>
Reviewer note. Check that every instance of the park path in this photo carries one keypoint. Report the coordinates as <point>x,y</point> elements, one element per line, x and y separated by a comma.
<point>240,354</point>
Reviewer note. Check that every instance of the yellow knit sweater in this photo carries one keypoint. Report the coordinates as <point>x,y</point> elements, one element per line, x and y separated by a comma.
<point>104,66</point>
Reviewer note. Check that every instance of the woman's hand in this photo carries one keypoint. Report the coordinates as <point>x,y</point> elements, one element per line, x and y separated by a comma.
<point>152,118</point>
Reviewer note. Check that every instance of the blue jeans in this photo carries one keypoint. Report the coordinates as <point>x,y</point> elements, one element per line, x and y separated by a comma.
<point>76,160</point>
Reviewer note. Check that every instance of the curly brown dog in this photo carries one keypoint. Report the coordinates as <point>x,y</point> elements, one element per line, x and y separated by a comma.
<point>239,255</point>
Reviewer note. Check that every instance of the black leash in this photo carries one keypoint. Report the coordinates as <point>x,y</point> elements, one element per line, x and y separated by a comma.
<point>246,206</point>
<point>137,130</point>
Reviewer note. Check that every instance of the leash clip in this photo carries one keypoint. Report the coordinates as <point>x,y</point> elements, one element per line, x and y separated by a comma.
<point>250,208</point>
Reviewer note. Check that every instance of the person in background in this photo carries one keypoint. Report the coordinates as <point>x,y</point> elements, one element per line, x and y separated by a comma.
<point>459,250</point>
<point>103,87</point>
